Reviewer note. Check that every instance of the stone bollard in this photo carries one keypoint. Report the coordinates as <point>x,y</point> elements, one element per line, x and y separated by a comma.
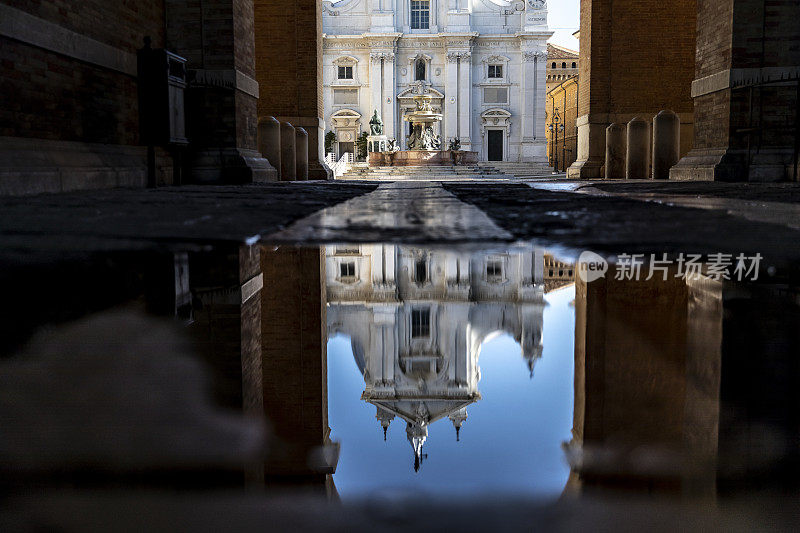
<point>288,153</point>
<point>615,151</point>
<point>269,141</point>
<point>636,154</point>
<point>301,145</point>
<point>666,143</point>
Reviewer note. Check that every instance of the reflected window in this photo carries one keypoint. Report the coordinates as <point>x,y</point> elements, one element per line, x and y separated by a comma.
<point>495,71</point>
<point>421,271</point>
<point>420,323</point>
<point>347,271</point>
<point>494,270</point>
<point>420,14</point>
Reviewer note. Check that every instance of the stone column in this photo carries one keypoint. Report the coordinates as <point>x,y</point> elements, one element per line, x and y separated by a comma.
<point>666,143</point>
<point>301,149</point>
<point>636,158</point>
<point>269,142</point>
<point>216,38</point>
<point>451,97</point>
<point>387,100</point>
<point>288,46</point>
<point>528,119</point>
<point>288,152</point>
<point>615,150</point>
<point>465,100</point>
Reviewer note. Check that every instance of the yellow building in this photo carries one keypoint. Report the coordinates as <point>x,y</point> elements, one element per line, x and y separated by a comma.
<point>562,64</point>
<point>561,128</point>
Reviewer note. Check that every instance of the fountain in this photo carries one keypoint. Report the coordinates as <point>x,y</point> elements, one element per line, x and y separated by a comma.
<point>422,120</point>
<point>424,144</point>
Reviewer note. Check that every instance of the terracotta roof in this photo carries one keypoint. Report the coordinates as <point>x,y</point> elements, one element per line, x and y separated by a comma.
<point>559,52</point>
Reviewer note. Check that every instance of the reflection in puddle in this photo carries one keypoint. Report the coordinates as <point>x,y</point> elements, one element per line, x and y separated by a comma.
<point>418,319</point>
<point>490,371</point>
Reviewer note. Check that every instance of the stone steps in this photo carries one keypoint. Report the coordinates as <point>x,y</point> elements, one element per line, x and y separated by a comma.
<point>432,173</point>
<point>519,169</point>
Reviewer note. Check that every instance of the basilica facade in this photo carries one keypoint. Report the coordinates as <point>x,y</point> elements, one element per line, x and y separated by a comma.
<point>482,61</point>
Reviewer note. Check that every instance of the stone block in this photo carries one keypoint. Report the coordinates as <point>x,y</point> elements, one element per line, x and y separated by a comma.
<point>666,143</point>
<point>616,144</point>
<point>638,147</point>
<point>269,141</point>
<point>301,149</point>
<point>288,152</point>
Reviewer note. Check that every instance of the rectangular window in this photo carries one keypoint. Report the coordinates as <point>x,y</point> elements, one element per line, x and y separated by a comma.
<point>495,71</point>
<point>494,270</point>
<point>495,95</point>
<point>420,323</point>
<point>345,97</point>
<point>345,73</point>
<point>347,270</point>
<point>420,14</point>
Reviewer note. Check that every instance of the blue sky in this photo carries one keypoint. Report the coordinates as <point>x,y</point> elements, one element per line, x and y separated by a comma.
<point>563,17</point>
<point>510,444</point>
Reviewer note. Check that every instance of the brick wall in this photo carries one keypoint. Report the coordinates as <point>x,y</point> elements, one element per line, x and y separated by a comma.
<point>289,58</point>
<point>50,96</point>
<point>639,55</point>
<point>751,117</point>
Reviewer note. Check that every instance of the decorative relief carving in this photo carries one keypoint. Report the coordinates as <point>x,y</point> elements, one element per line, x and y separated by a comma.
<point>530,57</point>
<point>375,57</point>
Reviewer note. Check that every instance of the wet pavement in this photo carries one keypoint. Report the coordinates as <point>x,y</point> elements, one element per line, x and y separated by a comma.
<point>405,355</point>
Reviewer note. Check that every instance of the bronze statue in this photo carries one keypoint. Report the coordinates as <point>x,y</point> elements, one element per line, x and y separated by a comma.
<point>375,124</point>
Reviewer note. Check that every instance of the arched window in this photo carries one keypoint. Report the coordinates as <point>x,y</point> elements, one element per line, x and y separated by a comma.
<point>574,65</point>
<point>554,64</point>
<point>420,70</point>
<point>564,64</point>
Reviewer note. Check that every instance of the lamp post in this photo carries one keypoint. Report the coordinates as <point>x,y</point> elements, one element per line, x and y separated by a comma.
<point>555,126</point>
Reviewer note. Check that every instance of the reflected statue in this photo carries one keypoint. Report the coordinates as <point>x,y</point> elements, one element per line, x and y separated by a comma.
<point>417,319</point>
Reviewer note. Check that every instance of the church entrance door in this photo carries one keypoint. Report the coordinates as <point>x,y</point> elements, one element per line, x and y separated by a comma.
<point>495,145</point>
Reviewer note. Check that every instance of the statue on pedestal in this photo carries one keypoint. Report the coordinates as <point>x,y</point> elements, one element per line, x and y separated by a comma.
<point>375,124</point>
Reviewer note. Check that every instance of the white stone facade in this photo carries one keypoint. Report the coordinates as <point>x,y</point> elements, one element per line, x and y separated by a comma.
<point>484,62</point>
<point>417,319</point>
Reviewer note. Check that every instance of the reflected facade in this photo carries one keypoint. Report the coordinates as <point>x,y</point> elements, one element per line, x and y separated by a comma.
<point>417,318</point>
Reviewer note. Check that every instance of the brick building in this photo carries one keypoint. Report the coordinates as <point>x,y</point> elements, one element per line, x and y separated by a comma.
<point>636,59</point>
<point>562,115</point>
<point>745,92</point>
<point>562,64</point>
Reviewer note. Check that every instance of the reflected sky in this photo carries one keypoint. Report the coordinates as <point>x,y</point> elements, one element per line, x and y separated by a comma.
<point>511,442</point>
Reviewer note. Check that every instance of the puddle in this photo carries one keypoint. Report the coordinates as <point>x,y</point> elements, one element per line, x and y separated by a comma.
<point>393,371</point>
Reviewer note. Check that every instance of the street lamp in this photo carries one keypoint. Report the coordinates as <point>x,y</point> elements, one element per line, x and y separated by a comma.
<point>555,126</point>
